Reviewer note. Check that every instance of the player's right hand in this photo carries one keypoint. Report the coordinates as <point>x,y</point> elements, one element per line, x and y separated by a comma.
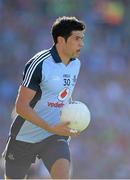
<point>62,129</point>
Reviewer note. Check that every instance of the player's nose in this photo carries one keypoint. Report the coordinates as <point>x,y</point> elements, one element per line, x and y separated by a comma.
<point>81,44</point>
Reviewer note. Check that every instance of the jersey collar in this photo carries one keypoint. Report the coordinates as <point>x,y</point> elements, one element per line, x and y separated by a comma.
<point>56,56</point>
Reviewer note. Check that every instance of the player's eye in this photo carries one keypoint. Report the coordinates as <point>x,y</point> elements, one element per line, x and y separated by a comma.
<point>79,38</point>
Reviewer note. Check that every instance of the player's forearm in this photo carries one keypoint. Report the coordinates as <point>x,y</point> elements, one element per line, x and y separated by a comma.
<point>29,114</point>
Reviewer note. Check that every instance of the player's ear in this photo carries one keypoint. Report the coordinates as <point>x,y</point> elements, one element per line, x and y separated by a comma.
<point>60,40</point>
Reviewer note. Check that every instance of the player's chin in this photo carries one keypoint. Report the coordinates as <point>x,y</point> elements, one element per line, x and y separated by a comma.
<point>77,55</point>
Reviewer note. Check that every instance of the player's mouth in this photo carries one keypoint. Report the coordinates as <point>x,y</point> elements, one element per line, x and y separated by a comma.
<point>78,51</point>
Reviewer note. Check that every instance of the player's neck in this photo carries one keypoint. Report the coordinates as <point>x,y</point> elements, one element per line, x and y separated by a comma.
<point>64,58</point>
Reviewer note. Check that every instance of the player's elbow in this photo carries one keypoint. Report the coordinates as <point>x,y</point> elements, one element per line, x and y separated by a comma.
<point>21,108</point>
<point>18,109</point>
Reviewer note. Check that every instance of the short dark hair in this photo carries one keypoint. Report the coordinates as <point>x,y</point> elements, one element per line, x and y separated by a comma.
<point>63,26</point>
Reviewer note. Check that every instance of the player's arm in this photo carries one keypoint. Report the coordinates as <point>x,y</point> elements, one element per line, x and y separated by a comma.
<point>24,109</point>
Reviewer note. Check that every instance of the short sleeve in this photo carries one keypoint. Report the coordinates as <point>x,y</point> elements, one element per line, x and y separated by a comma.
<point>32,75</point>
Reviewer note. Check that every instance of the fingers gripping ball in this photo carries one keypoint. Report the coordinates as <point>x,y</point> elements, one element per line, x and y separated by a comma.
<point>78,114</point>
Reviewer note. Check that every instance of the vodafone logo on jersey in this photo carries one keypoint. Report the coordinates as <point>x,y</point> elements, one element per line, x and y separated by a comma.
<point>63,94</point>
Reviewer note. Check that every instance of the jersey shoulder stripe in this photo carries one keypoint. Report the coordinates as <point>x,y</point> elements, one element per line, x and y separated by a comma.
<point>32,66</point>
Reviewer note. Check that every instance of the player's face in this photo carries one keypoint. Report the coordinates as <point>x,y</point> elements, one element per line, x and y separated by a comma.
<point>74,44</point>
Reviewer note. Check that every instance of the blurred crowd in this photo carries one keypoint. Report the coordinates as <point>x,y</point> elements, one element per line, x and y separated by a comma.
<point>103,150</point>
